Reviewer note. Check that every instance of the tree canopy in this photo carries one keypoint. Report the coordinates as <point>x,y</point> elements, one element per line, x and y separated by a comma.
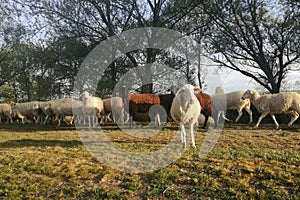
<point>44,42</point>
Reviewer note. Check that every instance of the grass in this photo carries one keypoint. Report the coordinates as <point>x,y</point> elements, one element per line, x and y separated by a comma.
<point>52,163</point>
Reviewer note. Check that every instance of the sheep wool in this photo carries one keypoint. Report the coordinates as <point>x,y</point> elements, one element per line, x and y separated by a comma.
<point>6,111</point>
<point>185,110</point>
<point>284,102</point>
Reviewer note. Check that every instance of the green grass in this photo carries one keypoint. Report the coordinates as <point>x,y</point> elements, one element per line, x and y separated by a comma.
<point>39,162</point>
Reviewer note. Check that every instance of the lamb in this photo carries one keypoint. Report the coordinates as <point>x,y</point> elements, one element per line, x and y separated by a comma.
<point>185,110</point>
<point>233,102</point>
<point>141,103</point>
<point>6,111</point>
<point>95,102</point>
<point>284,102</point>
<point>113,106</point>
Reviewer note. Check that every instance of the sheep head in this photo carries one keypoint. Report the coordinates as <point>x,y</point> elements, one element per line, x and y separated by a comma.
<point>186,96</point>
<point>249,94</point>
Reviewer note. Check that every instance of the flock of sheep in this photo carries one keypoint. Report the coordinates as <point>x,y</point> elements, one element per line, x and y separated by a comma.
<point>183,105</point>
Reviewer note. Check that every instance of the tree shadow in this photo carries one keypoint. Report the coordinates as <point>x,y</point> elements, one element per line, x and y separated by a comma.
<point>40,143</point>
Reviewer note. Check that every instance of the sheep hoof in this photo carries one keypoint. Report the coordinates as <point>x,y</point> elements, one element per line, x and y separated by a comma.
<point>194,146</point>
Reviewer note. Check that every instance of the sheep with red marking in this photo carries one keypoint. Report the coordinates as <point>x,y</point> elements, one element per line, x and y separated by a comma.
<point>185,110</point>
<point>139,106</point>
<point>206,106</point>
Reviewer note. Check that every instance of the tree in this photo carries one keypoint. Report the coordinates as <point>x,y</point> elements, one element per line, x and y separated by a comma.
<point>94,21</point>
<point>257,38</point>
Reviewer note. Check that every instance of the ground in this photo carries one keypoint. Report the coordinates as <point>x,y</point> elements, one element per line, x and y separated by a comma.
<point>46,162</point>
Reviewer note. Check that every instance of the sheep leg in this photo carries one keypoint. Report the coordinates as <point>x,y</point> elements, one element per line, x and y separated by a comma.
<point>89,120</point>
<point>94,121</point>
<point>10,118</point>
<point>218,116</point>
<point>263,115</point>
<point>183,135</point>
<point>224,117</point>
<point>192,136</point>
<point>239,116</point>
<point>295,116</point>
<point>250,114</point>
<point>46,118</point>
<point>59,121</point>
<point>275,121</point>
<point>206,115</point>
<point>157,120</point>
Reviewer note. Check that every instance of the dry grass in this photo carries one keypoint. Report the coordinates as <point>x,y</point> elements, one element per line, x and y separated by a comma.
<point>50,163</point>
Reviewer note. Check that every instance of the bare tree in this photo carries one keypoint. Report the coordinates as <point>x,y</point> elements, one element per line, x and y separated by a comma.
<point>254,37</point>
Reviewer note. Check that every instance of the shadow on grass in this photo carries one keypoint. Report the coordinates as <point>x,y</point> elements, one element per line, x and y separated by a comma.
<point>39,143</point>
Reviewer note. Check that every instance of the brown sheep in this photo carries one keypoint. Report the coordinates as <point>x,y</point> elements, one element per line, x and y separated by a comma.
<point>140,103</point>
<point>206,106</point>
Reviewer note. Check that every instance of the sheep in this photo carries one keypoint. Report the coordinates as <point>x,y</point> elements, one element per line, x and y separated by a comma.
<point>113,106</point>
<point>141,103</point>
<point>61,108</point>
<point>206,106</point>
<point>6,111</point>
<point>26,111</point>
<point>16,113</point>
<point>185,110</point>
<point>166,101</point>
<point>202,120</point>
<point>203,98</point>
<point>284,102</point>
<point>92,113</point>
<point>47,113</point>
<point>231,101</point>
<point>95,102</point>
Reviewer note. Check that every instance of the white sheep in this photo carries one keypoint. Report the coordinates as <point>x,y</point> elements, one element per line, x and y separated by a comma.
<point>61,108</point>
<point>26,111</point>
<point>113,106</point>
<point>185,110</point>
<point>95,103</point>
<point>6,111</point>
<point>231,101</point>
<point>284,102</point>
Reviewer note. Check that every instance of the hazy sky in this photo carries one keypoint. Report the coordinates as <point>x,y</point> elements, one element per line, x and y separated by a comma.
<point>234,81</point>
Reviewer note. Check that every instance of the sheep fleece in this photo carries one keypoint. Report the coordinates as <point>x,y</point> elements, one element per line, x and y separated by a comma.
<point>278,103</point>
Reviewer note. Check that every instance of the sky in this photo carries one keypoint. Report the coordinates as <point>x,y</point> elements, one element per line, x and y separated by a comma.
<point>234,81</point>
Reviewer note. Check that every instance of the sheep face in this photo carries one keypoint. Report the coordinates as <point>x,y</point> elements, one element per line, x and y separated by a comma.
<point>189,91</point>
<point>248,95</point>
<point>85,96</point>
<point>35,106</point>
<point>47,106</point>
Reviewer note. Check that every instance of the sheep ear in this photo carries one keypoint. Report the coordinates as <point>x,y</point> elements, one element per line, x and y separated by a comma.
<point>198,90</point>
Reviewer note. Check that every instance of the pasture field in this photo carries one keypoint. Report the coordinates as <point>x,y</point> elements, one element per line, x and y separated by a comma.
<point>47,162</point>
